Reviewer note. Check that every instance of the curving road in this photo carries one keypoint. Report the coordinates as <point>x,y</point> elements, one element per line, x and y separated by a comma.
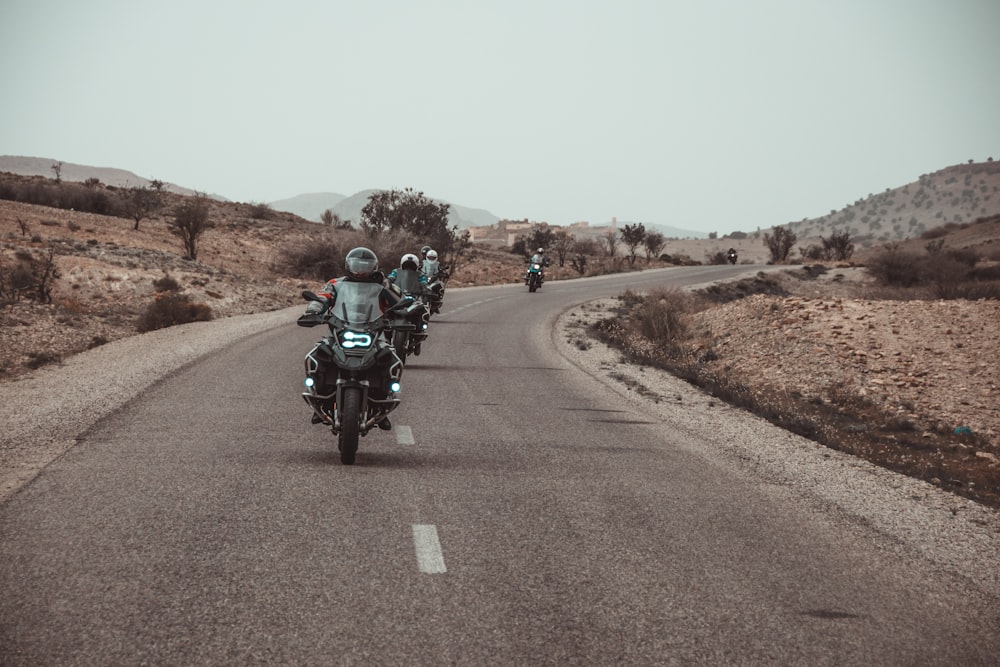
<point>519,513</point>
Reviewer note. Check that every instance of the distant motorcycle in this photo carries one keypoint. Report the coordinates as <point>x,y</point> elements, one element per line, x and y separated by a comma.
<point>535,276</point>
<point>353,374</point>
<point>731,256</point>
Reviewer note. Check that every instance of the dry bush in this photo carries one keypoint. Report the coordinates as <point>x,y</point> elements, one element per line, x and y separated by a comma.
<point>166,284</point>
<point>170,309</point>
<point>661,316</point>
<point>941,273</point>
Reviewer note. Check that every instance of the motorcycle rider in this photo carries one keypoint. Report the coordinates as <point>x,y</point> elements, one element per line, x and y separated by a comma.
<point>361,267</point>
<point>541,260</point>
<point>436,275</point>
<point>430,266</point>
<point>408,277</point>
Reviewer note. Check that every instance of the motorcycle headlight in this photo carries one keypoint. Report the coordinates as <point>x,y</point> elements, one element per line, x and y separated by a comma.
<point>309,381</point>
<point>536,266</point>
<point>352,339</point>
<point>395,387</point>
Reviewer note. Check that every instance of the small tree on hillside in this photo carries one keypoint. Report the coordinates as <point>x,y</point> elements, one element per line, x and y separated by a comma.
<point>632,237</point>
<point>780,243</point>
<point>190,222</point>
<point>654,243</point>
<point>140,203</point>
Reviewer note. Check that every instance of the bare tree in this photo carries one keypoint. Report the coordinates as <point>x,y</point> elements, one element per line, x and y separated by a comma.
<point>190,222</point>
<point>609,243</point>
<point>57,169</point>
<point>562,244</point>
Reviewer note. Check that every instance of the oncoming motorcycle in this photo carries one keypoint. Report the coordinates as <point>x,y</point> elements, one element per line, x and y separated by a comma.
<point>353,374</point>
<point>535,277</point>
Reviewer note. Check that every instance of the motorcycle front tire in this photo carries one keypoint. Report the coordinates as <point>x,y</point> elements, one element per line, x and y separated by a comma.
<point>350,424</point>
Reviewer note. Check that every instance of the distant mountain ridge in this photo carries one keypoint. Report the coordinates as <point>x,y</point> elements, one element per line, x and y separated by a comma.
<point>69,171</point>
<point>311,207</point>
<point>957,194</point>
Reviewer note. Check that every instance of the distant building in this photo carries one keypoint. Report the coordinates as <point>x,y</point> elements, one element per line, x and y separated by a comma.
<point>505,232</point>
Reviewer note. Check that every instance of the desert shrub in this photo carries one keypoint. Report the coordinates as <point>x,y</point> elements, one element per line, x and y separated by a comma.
<point>718,257</point>
<point>813,252</point>
<point>724,292</point>
<point>661,317</point>
<point>986,273</point>
<point>895,267</point>
<point>261,211</point>
<point>166,284</point>
<point>30,277</point>
<point>170,309</point>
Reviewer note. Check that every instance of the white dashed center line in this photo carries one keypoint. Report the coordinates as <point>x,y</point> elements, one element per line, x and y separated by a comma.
<point>404,435</point>
<point>429,557</point>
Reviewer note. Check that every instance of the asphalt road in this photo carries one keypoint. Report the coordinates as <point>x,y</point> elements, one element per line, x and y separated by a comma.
<point>518,513</point>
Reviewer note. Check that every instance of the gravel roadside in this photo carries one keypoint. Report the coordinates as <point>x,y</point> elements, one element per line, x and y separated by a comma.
<point>917,519</point>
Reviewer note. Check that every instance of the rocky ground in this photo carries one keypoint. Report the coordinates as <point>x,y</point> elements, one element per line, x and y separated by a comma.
<point>906,384</point>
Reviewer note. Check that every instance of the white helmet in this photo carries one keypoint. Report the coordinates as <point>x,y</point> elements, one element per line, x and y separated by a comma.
<point>541,251</point>
<point>432,255</point>
<point>409,261</point>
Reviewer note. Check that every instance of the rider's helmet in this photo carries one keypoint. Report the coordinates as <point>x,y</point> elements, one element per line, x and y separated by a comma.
<point>541,251</point>
<point>432,255</point>
<point>409,261</point>
<point>423,251</point>
<point>361,263</point>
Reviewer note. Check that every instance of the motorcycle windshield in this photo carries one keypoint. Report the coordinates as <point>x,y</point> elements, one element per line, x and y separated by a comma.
<point>409,281</point>
<point>357,303</point>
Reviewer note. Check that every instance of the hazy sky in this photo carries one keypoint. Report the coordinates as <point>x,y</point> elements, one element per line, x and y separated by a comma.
<point>706,115</point>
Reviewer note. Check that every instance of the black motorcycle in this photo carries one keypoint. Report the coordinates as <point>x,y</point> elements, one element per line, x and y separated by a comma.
<point>353,373</point>
<point>418,313</point>
<point>435,286</point>
<point>731,256</point>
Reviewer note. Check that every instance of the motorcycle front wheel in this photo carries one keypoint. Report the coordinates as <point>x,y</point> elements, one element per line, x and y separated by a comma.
<point>350,425</point>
